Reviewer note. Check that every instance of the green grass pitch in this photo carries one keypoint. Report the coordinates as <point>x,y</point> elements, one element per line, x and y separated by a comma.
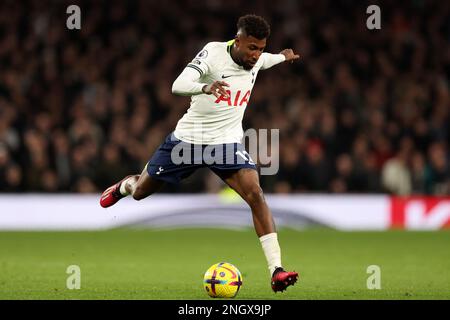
<point>169,264</point>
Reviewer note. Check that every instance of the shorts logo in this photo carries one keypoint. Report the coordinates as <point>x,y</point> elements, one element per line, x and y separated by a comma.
<point>160,170</point>
<point>244,154</point>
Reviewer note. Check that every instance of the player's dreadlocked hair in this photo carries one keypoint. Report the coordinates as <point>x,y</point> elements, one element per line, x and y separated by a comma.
<point>253,25</point>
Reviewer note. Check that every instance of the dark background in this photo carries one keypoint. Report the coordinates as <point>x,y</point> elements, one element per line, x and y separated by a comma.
<point>80,109</point>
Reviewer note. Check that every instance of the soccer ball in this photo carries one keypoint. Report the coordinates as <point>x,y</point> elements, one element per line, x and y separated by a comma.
<point>222,280</point>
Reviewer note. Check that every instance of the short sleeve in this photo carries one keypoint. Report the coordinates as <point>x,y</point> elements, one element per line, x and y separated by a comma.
<point>202,61</point>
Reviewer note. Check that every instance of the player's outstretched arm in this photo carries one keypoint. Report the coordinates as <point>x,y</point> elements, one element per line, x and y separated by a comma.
<point>187,83</point>
<point>289,55</point>
<point>269,59</point>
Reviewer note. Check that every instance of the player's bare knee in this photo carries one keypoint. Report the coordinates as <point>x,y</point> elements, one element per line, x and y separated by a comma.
<point>254,196</point>
<point>138,194</point>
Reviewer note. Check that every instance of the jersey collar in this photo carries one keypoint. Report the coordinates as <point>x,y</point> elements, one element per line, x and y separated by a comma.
<point>230,44</point>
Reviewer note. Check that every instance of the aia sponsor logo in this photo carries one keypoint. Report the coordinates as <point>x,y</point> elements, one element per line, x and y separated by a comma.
<point>420,213</point>
<point>235,99</point>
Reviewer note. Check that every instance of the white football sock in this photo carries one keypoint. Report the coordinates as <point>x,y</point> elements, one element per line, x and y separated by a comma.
<point>122,189</point>
<point>272,251</point>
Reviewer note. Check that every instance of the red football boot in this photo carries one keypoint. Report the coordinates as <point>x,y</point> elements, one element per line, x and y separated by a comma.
<point>111,195</point>
<point>282,279</point>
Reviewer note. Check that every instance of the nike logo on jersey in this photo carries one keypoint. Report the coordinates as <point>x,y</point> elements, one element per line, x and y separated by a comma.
<point>224,76</point>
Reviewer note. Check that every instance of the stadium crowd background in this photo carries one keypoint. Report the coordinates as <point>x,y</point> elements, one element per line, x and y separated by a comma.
<point>363,111</point>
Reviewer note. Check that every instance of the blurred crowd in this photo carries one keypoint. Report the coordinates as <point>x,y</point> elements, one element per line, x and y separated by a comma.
<point>363,111</point>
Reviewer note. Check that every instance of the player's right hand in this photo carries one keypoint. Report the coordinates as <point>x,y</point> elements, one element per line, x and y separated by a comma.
<point>217,89</point>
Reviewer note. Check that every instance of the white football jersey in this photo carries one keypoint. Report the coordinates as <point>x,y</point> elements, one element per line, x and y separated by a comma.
<point>212,120</point>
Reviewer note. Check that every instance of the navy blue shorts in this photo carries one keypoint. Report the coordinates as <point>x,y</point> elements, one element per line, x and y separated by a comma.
<point>175,160</point>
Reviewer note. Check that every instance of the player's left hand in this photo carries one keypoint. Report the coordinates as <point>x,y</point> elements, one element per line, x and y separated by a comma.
<point>289,54</point>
